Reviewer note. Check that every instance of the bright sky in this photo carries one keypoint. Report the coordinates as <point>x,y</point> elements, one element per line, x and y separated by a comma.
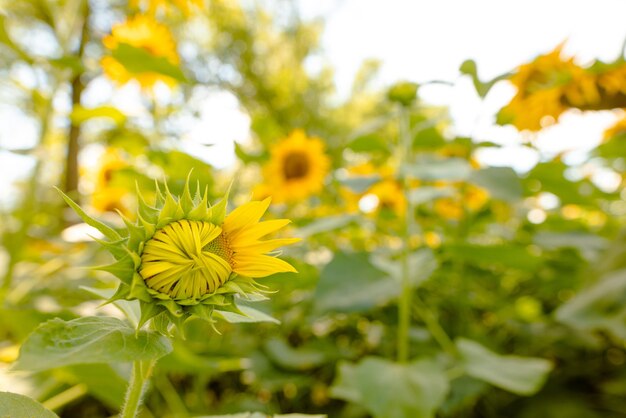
<point>421,41</point>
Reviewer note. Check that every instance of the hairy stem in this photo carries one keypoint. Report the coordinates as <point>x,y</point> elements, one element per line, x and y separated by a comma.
<point>136,387</point>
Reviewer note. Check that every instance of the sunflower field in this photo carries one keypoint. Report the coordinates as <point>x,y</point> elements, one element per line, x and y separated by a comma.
<point>348,256</point>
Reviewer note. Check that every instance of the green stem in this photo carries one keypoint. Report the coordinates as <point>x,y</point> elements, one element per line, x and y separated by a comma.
<point>136,387</point>
<point>404,306</point>
<point>437,332</point>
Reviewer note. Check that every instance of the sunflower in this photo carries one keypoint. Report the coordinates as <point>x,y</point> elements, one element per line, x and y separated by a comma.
<point>472,199</point>
<point>540,91</point>
<point>185,258</point>
<point>297,168</point>
<point>143,32</point>
<point>386,194</point>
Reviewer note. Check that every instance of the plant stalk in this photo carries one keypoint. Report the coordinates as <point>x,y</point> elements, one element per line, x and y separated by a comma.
<point>136,387</point>
<point>404,306</point>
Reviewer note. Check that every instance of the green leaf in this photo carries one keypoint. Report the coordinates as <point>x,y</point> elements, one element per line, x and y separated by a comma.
<point>369,143</point>
<point>431,168</point>
<point>351,283</point>
<point>302,358</point>
<point>501,182</point>
<point>422,264</point>
<point>324,225</point>
<point>391,390</point>
<point>600,307</point>
<point>138,60</point>
<point>250,315</point>
<point>469,68</point>
<point>93,339</point>
<point>505,255</point>
<point>360,184</point>
<point>427,194</point>
<point>13,405</point>
<point>520,375</point>
<point>81,114</point>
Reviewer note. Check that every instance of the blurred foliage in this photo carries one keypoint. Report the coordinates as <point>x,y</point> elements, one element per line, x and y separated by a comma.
<point>517,277</point>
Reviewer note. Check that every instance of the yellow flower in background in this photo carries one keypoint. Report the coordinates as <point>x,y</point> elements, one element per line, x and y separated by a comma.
<point>541,90</point>
<point>613,81</point>
<point>385,194</point>
<point>153,7</point>
<point>106,196</point>
<point>472,199</point>
<point>297,168</point>
<point>142,32</point>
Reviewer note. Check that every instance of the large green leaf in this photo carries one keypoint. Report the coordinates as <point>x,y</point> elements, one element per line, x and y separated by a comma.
<point>93,339</point>
<point>392,390</point>
<point>505,255</point>
<point>350,283</point>
<point>520,375</point>
<point>430,168</point>
<point>139,60</point>
<point>422,264</point>
<point>501,182</point>
<point>13,405</point>
<point>302,358</point>
<point>600,307</point>
<point>327,224</point>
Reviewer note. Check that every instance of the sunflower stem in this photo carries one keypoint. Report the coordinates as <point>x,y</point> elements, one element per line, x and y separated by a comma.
<point>404,306</point>
<point>136,387</point>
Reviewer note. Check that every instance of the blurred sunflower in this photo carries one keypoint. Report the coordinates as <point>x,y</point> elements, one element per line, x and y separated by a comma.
<point>540,91</point>
<point>613,81</point>
<point>385,194</point>
<point>471,198</point>
<point>297,168</point>
<point>143,32</point>
<point>106,196</point>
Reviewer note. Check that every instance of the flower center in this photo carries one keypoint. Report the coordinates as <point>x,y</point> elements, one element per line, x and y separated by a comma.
<point>186,260</point>
<point>295,165</point>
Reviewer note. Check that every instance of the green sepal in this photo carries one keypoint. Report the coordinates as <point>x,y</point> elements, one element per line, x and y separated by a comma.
<point>136,234</point>
<point>205,312</point>
<point>201,211</point>
<point>148,311</point>
<point>161,324</point>
<point>144,209</point>
<point>139,290</point>
<point>106,230</point>
<point>123,269</point>
<point>197,197</point>
<point>172,307</point>
<point>186,201</point>
<point>171,211</point>
<point>160,199</point>
<point>218,212</point>
<point>149,228</point>
<point>117,248</point>
<point>121,293</point>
